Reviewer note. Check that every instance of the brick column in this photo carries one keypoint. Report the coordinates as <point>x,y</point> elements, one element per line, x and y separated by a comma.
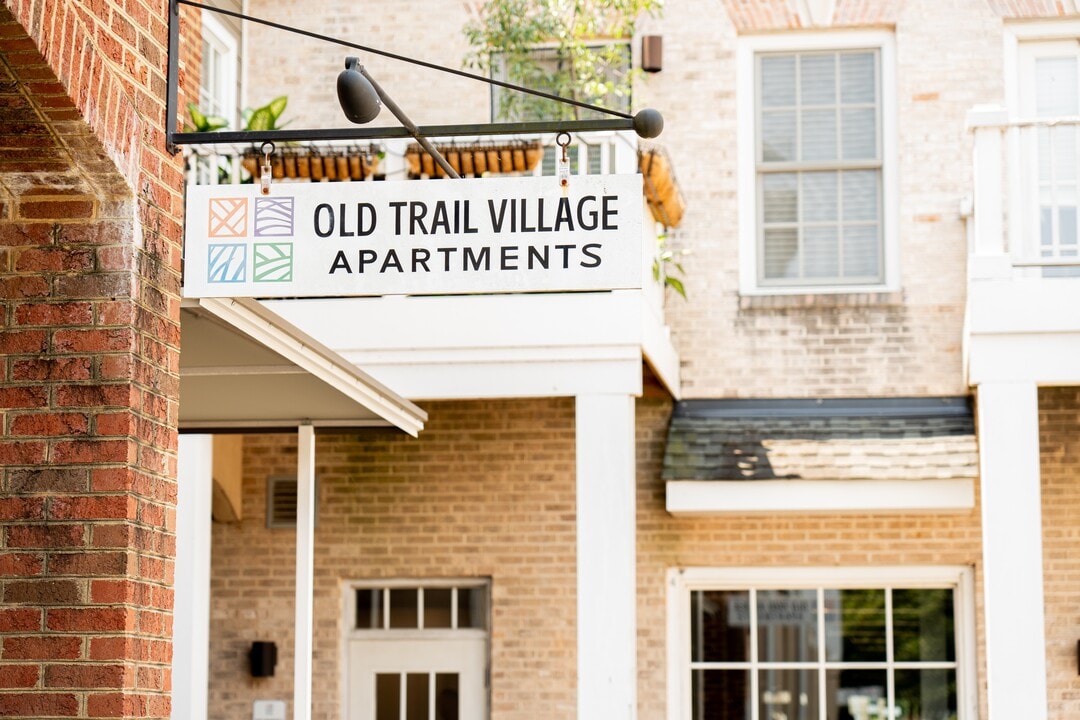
<point>89,354</point>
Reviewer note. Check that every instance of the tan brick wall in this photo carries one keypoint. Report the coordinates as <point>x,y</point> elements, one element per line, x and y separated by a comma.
<point>1059,440</point>
<point>428,30</point>
<point>907,343</point>
<point>488,490</point>
<point>665,542</point>
<point>949,58</point>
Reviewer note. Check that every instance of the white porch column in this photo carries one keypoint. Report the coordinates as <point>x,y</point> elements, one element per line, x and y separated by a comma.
<point>1012,550</point>
<point>305,570</point>
<point>191,612</point>
<point>606,558</point>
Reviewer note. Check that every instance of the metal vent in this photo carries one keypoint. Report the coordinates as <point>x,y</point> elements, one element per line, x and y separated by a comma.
<point>281,502</point>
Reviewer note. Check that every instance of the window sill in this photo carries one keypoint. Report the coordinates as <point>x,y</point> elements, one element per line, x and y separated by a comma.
<point>802,299</point>
<point>688,498</point>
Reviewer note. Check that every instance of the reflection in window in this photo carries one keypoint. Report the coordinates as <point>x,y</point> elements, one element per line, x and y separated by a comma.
<point>823,654</point>
<point>426,696</point>
<point>435,607</point>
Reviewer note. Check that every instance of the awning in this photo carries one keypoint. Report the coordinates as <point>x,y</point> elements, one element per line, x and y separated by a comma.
<point>244,367</point>
<point>835,455</point>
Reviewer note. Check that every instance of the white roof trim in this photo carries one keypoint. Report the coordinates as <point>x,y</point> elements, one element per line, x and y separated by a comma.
<point>271,330</point>
<point>749,497</point>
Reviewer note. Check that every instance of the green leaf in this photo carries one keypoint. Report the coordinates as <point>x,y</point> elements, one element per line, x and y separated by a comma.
<point>277,106</point>
<point>261,119</point>
<point>676,284</point>
<point>215,122</point>
<point>197,118</point>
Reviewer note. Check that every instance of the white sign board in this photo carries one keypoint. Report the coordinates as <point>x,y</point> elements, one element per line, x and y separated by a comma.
<point>521,234</point>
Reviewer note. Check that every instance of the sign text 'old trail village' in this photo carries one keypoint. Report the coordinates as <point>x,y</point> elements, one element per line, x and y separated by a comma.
<point>460,236</point>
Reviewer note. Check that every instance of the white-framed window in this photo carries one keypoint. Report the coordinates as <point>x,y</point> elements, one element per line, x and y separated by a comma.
<point>817,163</point>
<point>217,81</point>
<point>417,649</point>
<point>878,643</point>
<point>609,62</point>
<point>1043,92</point>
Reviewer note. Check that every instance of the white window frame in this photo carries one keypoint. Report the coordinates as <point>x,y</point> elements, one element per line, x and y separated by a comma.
<point>1023,43</point>
<point>746,51</point>
<point>1019,33</point>
<point>350,632</point>
<point>681,581</point>
<point>217,34</point>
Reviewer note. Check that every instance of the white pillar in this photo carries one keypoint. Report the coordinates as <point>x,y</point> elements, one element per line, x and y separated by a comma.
<point>606,558</point>
<point>191,611</point>
<point>1012,550</point>
<point>305,570</point>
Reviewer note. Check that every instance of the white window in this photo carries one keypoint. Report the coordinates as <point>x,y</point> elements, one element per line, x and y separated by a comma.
<point>816,163</point>
<point>1048,92</point>
<point>217,83</point>
<point>417,650</point>
<point>821,644</point>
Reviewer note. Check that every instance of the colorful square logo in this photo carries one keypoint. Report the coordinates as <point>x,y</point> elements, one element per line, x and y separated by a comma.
<point>274,217</point>
<point>226,263</point>
<point>273,262</point>
<point>228,217</point>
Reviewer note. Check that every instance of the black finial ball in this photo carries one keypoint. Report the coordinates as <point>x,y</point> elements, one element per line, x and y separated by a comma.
<point>648,123</point>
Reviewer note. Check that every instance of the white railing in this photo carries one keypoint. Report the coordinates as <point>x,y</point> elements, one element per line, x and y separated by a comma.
<point>598,154</point>
<point>1027,195</point>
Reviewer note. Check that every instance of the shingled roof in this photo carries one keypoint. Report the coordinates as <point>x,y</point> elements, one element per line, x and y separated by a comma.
<point>834,439</point>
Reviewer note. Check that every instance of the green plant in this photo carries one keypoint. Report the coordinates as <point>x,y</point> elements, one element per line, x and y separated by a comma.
<point>666,265</point>
<point>266,117</point>
<point>580,63</point>
<point>203,123</point>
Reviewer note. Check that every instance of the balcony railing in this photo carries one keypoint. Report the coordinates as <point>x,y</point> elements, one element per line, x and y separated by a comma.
<point>1027,196</point>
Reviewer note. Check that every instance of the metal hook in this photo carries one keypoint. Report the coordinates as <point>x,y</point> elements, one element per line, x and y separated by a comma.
<point>267,172</point>
<point>563,165</point>
<point>563,143</point>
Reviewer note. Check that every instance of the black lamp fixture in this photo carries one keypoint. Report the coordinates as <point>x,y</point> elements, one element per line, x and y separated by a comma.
<point>361,98</point>
<point>262,658</point>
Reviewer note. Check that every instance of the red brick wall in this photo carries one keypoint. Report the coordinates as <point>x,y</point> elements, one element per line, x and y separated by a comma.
<point>1032,8</point>
<point>90,207</point>
<point>759,15</point>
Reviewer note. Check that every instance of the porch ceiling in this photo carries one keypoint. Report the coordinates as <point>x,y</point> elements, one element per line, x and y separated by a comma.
<point>244,367</point>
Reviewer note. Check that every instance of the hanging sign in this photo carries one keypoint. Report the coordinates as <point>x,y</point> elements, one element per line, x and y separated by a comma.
<point>485,235</point>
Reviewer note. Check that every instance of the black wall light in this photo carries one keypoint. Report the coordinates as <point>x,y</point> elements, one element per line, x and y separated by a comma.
<point>652,53</point>
<point>263,658</point>
<point>647,123</point>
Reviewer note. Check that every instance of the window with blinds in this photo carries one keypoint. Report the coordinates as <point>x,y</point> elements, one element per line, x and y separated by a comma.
<point>819,168</point>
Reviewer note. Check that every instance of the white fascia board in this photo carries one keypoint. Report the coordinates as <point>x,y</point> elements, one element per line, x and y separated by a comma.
<point>1039,358</point>
<point>352,325</point>
<point>263,325</point>
<point>720,497</point>
<point>1023,330</point>
<point>482,379</point>
<point>1024,305</point>
<point>524,345</point>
